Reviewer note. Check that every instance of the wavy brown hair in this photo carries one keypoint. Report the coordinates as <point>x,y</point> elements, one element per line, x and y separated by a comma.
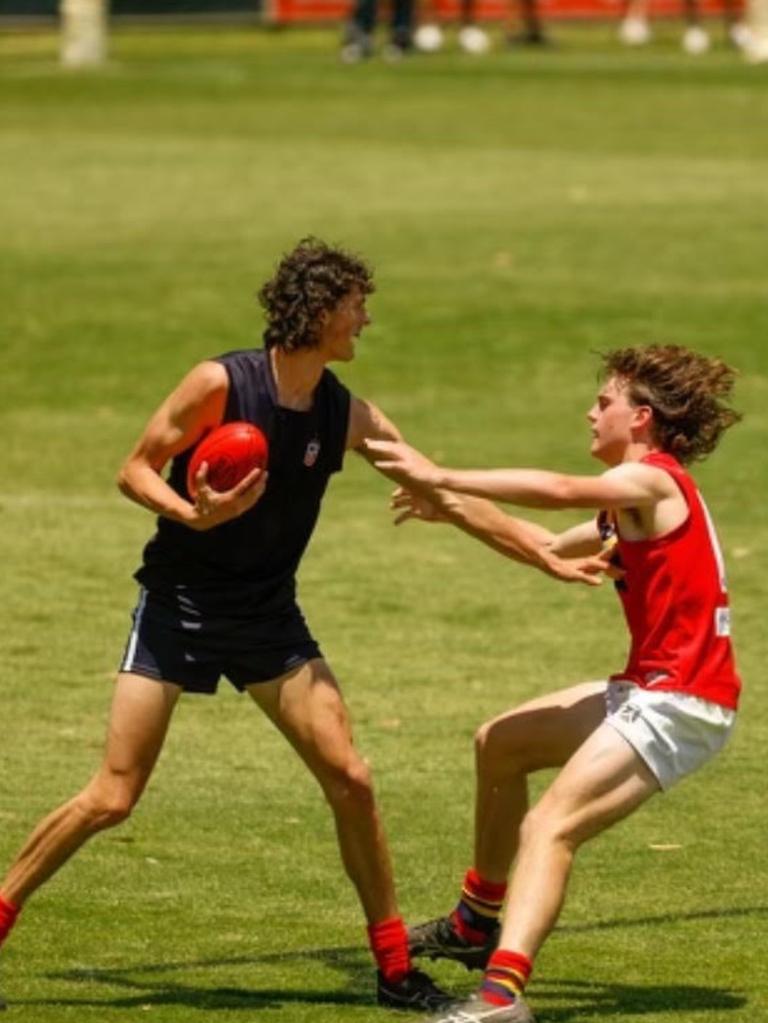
<point>312,278</point>
<point>687,392</point>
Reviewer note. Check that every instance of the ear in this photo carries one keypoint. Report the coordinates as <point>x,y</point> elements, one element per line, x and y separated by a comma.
<point>642,418</point>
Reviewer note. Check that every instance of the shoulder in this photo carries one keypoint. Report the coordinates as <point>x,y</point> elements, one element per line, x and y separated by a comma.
<point>646,476</point>
<point>368,422</point>
<point>206,377</point>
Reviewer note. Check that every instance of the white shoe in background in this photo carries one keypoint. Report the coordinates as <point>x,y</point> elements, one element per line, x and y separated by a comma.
<point>695,40</point>
<point>634,31</point>
<point>474,40</point>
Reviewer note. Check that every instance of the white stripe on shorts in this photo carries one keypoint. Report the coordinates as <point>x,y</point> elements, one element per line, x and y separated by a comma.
<point>133,639</point>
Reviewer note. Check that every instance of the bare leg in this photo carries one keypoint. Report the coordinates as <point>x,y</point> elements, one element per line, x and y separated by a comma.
<point>634,28</point>
<point>603,782</point>
<point>636,9</point>
<point>529,11</point>
<point>309,710</point>
<point>141,711</point>
<point>542,733</point>
<point>691,11</point>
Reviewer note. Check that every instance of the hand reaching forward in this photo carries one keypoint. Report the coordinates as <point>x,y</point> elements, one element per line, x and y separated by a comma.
<point>403,463</point>
<point>589,570</point>
<point>414,506</point>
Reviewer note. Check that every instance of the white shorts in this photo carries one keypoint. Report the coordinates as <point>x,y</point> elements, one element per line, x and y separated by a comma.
<point>674,733</point>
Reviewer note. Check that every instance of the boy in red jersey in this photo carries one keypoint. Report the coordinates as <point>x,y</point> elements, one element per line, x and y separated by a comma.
<point>618,743</point>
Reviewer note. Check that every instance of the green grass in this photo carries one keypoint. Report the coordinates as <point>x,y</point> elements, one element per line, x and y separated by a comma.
<point>521,211</point>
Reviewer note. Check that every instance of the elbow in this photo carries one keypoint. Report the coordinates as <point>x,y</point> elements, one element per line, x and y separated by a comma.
<point>122,481</point>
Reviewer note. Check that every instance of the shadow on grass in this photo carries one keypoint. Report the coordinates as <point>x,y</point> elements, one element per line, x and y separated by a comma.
<point>150,984</point>
<point>585,1000</point>
<point>664,918</point>
<point>557,1001</point>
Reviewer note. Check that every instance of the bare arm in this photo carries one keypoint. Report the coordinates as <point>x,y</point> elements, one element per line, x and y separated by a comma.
<point>579,541</point>
<point>629,485</point>
<point>194,407</point>
<point>366,423</point>
<point>519,540</point>
<point>514,538</point>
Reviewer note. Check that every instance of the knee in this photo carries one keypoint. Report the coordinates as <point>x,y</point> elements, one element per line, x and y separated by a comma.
<point>547,824</point>
<point>350,787</point>
<point>499,751</point>
<point>106,806</point>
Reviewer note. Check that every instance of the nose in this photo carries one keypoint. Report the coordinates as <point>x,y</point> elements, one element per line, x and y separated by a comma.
<point>592,414</point>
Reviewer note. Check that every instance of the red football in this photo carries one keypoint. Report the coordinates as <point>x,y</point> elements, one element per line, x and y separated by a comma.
<point>231,451</point>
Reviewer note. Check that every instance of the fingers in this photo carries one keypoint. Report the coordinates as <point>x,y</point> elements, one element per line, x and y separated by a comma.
<point>590,580</point>
<point>403,517</point>
<point>255,476</point>
<point>589,571</point>
<point>214,508</point>
<point>402,497</point>
<point>201,477</point>
<point>382,447</point>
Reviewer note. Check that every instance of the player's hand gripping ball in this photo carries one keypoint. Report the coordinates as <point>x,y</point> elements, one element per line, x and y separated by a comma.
<point>231,451</point>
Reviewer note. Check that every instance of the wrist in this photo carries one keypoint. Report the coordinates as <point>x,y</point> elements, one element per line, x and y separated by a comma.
<point>188,514</point>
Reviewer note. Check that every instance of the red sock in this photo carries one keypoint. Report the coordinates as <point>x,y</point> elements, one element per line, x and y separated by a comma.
<point>389,944</point>
<point>479,907</point>
<point>505,978</point>
<point>8,915</point>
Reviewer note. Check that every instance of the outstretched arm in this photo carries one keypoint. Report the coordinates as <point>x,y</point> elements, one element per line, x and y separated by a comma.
<point>514,538</point>
<point>571,556</point>
<point>630,485</point>
<point>194,407</point>
<point>367,423</point>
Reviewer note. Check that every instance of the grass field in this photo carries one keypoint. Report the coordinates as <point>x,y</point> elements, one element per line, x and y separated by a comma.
<point>522,211</point>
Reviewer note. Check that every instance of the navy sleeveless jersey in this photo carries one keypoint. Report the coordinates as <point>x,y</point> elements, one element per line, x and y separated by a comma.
<point>246,567</point>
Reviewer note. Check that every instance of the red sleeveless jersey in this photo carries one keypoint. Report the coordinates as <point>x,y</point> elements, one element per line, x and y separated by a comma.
<point>676,603</point>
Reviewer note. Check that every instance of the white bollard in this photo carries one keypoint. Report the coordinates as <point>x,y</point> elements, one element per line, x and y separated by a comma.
<point>755,49</point>
<point>83,32</point>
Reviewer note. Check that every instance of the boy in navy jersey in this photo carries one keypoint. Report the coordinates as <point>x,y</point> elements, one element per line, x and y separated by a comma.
<point>218,592</point>
<point>665,714</point>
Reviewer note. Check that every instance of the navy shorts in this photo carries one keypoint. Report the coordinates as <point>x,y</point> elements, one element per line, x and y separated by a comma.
<point>194,650</point>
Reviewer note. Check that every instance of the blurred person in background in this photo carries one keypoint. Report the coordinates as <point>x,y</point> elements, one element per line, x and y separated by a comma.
<point>635,27</point>
<point>358,42</point>
<point>525,28</point>
<point>756,45</point>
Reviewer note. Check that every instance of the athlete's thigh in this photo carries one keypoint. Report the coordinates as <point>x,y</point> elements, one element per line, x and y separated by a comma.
<point>546,731</point>
<point>308,708</point>
<point>138,721</point>
<point>603,781</point>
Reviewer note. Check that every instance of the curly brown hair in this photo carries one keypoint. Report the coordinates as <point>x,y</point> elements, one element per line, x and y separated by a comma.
<point>687,392</point>
<point>312,278</point>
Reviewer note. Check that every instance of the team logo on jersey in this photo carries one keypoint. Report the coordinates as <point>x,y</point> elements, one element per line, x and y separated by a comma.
<point>722,621</point>
<point>310,455</point>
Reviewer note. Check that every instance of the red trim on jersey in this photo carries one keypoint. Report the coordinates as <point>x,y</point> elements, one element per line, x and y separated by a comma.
<point>676,604</point>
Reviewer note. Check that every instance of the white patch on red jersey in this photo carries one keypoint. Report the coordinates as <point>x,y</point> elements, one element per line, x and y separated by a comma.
<point>722,621</point>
